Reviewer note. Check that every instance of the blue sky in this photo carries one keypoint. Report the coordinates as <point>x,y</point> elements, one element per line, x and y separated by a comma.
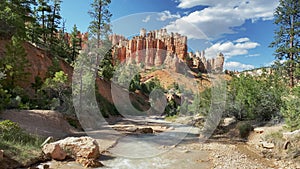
<point>241,29</point>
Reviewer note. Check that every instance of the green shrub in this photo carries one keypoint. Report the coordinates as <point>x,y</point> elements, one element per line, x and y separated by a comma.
<point>291,110</point>
<point>11,132</point>
<point>244,129</point>
<point>254,97</point>
<point>149,86</point>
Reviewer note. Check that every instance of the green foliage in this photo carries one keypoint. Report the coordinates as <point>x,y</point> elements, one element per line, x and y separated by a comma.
<point>75,43</point>
<point>18,144</point>
<point>55,67</point>
<point>4,95</point>
<point>126,76</point>
<point>204,102</point>
<point>58,92</point>
<point>13,16</point>
<point>14,63</point>
<point>106,66</point>
<point>171,108</point>
<point>107,109</point>
<point>100,26</point>
<point>10,131</point>
<point>244,129</point>
<point>135,83</point>
<point>38,83</point>
<point>254,97</point>
<point>291,110</point>
<point>286,40</point>
<point>149,86</point>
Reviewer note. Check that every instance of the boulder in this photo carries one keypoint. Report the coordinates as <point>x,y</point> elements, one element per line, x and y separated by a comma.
<point>1,155</point>
<point>85,150</point>
<point>54,151</point>
<point>85,147</point>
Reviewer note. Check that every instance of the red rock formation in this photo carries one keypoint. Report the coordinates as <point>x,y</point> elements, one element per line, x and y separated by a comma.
<point>207,65</point>
<point>157,48</point>
<point>149,48</point>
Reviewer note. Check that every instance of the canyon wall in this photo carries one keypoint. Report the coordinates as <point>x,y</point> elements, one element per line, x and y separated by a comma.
<point>160,48</point>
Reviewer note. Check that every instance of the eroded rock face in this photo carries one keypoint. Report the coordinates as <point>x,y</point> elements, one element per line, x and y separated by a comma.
<point>157,48</point>
<point>84,150</point>
<point>151,49</point>
<point>207,65</point>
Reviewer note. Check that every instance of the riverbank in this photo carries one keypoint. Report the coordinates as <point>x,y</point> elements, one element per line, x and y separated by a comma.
<point>220,151</point>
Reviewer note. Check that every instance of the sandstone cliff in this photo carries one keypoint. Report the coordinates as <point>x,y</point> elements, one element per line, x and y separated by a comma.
<point>160,48</point>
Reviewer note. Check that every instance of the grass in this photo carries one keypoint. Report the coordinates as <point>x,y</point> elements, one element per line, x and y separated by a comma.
<point>171,118</point>
<point>17,144</point>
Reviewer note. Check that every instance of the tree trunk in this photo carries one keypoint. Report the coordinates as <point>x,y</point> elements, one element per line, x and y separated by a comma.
<point>291,54</point>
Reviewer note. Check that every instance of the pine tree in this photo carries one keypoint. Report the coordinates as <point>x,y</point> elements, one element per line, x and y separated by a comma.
<point>44,8</point>
<point>100,26</point>
<point>99,30</point>
<point>14,15</point>
<point>75,42</point>
<point>14,62</point>
<point>54,20</point>
<point>287,37</point>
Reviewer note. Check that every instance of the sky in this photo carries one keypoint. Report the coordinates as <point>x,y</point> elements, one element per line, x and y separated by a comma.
<point>241,29</point>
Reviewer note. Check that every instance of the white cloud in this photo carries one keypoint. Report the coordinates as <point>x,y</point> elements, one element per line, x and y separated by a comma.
<point>230,49</point>
<point>253,55</point>
<point>192,3</point>
<point>237,66</point>
<point>221,16</point>
<point>147,19</point>
<point>165,15</point>
<point>242,40</point>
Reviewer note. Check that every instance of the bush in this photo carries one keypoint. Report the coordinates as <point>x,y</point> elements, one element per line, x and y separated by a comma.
<point>244,129</point>
<point>291,110</point>
<point>11,132</point>
<point>254,97</point>
<point>149,86</point>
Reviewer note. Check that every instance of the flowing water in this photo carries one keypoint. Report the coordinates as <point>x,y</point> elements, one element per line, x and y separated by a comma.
<point>166,150</point>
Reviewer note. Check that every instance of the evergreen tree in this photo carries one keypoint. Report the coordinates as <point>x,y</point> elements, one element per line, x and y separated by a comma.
<point>100,26</point>
<point>99,30</point>
<point>75,42</point>
<point>54,20</point>
<point>14,15</point>
<point>43,8</point>
<point>287,40</point>
<point>14,62</point>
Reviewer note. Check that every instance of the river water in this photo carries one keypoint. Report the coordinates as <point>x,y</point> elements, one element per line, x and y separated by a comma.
<point>176,148</point>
